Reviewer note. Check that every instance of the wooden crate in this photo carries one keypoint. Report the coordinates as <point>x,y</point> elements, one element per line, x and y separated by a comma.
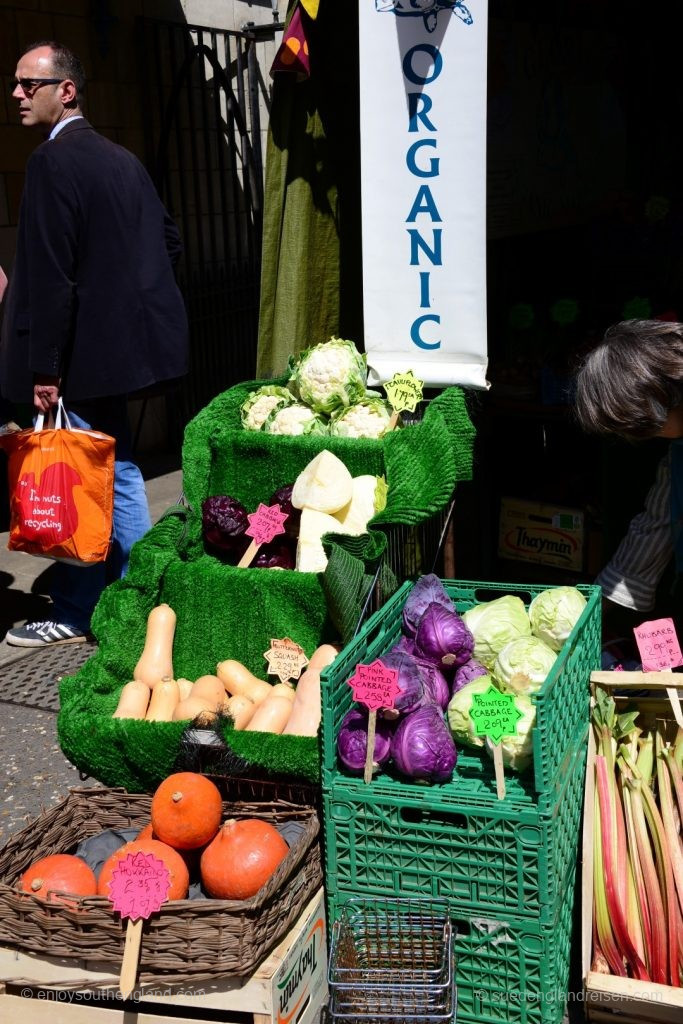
<point>610,999</point>
<point>290,985</point>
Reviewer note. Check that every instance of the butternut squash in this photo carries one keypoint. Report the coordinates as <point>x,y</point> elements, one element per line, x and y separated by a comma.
<point>284,690</point>
<point>185,687</point>
<point>165,697</point>
<point>196,710</point>
<point>156,660</point>
<point>133,700</point>
<point>271,715</point>
<point>322,657</point>
<point>239,681</point>
<point>210,689</point>
<point>240,709</point>
<point>306,709</point>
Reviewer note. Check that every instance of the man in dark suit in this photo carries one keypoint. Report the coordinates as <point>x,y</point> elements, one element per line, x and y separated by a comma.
<point>93,312</point>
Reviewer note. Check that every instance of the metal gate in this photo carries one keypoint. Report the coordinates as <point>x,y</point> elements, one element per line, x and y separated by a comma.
<point>204,100</point>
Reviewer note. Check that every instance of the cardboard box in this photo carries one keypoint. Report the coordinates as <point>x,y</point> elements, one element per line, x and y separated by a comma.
<point>290,985</point>
<point>607,998</point>
<point>544,534</point>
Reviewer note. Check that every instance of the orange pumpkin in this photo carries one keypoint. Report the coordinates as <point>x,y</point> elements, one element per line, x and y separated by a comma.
<point>191,857</point>
<point>60,871</point>
<point>186,810</point>
<point>241,859</point>
<point>177,869</point>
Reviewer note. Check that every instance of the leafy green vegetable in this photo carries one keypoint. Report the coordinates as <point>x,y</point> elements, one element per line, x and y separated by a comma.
<point>495,624</point>
<point>554,613</point>
<point>517,749</point>
<point>523,664</point>
<point>458,711</point>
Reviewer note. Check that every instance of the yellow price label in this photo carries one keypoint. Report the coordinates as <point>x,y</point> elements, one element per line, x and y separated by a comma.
<point>404,391</point>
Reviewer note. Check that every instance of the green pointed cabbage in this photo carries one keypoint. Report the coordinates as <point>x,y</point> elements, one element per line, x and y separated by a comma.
<point>523,664</point>
<point>553,614</point>
<point>495,624</point>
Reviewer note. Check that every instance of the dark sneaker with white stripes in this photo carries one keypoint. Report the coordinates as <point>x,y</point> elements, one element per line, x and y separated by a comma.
<point>42,634</point>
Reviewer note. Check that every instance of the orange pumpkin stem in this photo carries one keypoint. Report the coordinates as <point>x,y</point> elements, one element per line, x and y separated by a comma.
<point>176,797</point>
<point>37,884</point>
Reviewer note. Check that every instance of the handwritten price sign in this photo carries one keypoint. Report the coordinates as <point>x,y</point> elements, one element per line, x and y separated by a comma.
<point>375,685</point>
<point>404,391</point>
<point>494,714</point>
<point>285,659</point>
<point>139,885</point>
<point>658,645</point>
<point>265,523</point>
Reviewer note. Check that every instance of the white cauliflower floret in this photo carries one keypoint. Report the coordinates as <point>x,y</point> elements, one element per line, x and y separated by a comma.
<point>331,375</point>
<point>365,419</point>
<point>294,420</point>
<point>260,404</point>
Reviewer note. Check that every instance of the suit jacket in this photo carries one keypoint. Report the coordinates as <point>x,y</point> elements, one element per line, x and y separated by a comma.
<point>92,296</point>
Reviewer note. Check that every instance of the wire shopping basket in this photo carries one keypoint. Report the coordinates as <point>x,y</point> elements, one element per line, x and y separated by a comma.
<point>391,962</point>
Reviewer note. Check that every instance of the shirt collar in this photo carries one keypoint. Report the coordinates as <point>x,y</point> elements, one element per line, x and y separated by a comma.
<point>60,124</point>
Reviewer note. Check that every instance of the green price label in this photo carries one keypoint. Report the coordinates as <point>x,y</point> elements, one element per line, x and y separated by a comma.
<point>494,714</point>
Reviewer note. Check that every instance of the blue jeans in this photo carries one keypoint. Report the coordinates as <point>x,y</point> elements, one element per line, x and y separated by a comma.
<point>76,589</point>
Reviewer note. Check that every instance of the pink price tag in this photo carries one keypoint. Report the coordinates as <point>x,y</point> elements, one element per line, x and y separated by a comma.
<point>375,685</point>
<point>139,885</point>
<point>658,645</point>
<point>265,523</point>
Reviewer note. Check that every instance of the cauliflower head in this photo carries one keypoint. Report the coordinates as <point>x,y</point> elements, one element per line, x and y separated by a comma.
<point>367,418</point>
<point>331,375</point>
<point>293,420</point>
<point>256,409</point>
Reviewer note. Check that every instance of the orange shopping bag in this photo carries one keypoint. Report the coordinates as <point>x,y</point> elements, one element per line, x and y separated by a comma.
<point>61,488</point>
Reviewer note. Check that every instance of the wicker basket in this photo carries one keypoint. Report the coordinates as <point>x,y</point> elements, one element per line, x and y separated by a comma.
<point>188,940</point>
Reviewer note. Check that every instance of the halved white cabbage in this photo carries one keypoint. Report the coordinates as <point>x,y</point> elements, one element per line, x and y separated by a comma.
<point>310,554</point>
<point>324,485</point>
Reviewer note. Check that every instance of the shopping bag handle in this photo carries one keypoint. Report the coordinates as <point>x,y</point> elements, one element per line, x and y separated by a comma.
<point>54,420</point>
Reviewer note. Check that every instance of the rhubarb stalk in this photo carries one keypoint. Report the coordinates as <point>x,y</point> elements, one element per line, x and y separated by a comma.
<point>615,907</point>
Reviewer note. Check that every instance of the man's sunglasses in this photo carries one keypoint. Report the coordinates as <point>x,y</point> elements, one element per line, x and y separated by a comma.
<point>30,85</point>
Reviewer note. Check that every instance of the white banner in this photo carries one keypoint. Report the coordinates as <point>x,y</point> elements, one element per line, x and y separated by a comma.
<point>423,179</point>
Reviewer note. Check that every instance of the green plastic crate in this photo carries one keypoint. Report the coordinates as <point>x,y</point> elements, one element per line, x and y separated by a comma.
<point>561,704</point>
<point>389,839</point>
<point>507,971</point>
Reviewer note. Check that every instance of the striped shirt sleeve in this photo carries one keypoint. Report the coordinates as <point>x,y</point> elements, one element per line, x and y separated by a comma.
<point>631,576</point>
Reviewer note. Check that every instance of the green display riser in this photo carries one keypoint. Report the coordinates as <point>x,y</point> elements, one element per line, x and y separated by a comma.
<point>401,840</point>
<point>562,703</point>
<point>507,971</point>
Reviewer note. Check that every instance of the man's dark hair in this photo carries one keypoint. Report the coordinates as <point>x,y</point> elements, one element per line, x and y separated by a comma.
<point>65,64</point>
<point>632,380</point>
